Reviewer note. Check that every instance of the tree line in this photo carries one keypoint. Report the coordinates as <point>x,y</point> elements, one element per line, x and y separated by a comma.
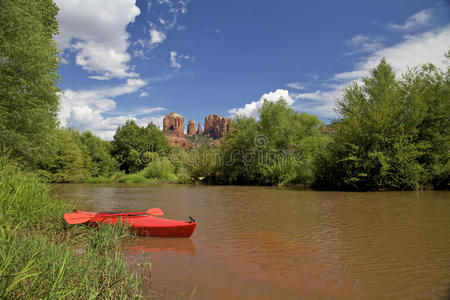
<point>392,132</point>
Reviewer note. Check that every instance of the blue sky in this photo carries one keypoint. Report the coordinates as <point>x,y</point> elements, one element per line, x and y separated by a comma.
<point>126,59</point>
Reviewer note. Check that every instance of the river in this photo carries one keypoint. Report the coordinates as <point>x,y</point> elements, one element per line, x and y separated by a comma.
<point>271,243</point>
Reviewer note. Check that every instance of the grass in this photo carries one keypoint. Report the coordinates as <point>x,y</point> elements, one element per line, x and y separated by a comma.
<point>158,171</point>
<point>131,178</point>
<point>42,257</point>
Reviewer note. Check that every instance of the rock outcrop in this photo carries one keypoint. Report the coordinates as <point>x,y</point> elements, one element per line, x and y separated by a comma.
<point>173,128</point>
<point>174,123</point>
<point>191,127</point>
<point>216,126</point>
<point>177,141</point>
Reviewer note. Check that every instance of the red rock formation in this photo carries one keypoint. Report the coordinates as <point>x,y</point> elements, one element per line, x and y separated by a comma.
<point>191,127</point>
<point>199,129</point>
<point>216,126</point>
<point>174,123</point>
<point>177,141</point>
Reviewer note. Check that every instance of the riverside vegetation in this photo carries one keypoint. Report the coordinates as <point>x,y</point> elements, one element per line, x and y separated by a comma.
<point>392,133</point>
<point>40,256</point>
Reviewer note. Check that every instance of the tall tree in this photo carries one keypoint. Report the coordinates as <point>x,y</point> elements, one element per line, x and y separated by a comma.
<point>102,163</point>
<point>131,142</point>
<point>392,133</point>
<point>28,77</point>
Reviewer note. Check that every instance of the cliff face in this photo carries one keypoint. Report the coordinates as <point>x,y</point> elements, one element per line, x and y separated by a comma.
<point>191,127</point>
<point>178,141</point>
<point>173,128</point>
<point>174,123</point>
<point>216,126</point>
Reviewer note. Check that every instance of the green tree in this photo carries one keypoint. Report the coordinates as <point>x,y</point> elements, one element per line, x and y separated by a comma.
<point>28,78</point>
<point>276,150</point>
<point>239,150</point>
<point>131,142</point>
<point>429,87</point>
<point>391,133</point>
<point>99,151</point>
<point>68,162</point>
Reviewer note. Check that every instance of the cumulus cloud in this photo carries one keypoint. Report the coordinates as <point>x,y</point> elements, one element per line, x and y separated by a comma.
<point>96,31</point>
<point>251,109</point>
<point>86,109</point>
<point>417,20</point>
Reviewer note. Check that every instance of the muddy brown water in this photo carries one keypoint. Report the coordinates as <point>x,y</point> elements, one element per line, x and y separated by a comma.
<point>269,243</point>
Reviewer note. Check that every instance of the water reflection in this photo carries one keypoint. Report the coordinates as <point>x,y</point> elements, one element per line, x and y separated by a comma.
<point>152,245</point>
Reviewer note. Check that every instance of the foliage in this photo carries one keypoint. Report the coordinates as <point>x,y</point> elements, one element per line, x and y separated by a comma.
<point>130,178</point>
<point>102,163</point>
<point>131,142</point>
<point>160,168</point>
<point>391,133</point>
<point>42,258</point>
<point>28,72</point>
<point>276,150</point>
<point>68,162</point>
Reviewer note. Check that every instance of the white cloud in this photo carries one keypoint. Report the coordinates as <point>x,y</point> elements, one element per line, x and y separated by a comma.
<point>143,94</point>
<point>362,44</point>
<point>295,85</point>
<point>175,59</point>
<point>85,109</point>
<point>413,50</point>
<point>251,109</point>
<point>96,30</point>
<point>146,111</point>
<point>417,20</point>
<point>165,20</point>
<point>156,37</point>
<point>322,101</point>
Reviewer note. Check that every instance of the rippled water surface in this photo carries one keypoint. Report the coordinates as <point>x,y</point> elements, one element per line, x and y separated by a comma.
<point>269,243</point>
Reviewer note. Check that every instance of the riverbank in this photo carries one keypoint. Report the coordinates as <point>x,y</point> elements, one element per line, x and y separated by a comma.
<point>42,257</point>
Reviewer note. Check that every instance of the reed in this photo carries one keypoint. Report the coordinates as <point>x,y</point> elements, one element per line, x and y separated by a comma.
<point>42,257</point>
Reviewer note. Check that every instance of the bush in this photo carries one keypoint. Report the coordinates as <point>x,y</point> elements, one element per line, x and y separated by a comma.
<point>131,178</point>
<point>159,168</point>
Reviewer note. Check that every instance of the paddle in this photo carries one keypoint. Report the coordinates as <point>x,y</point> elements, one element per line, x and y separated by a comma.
<point>79,218</point>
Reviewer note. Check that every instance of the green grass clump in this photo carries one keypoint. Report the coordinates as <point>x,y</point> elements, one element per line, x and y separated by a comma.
<point>131,178</point>
<point>42,257</point>
<point>99,179</point>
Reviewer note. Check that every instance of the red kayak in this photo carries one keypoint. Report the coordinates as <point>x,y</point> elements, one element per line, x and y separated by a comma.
<point>141,222</point>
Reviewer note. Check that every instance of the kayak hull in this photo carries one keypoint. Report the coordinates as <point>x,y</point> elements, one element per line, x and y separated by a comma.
<point>145,225</point>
